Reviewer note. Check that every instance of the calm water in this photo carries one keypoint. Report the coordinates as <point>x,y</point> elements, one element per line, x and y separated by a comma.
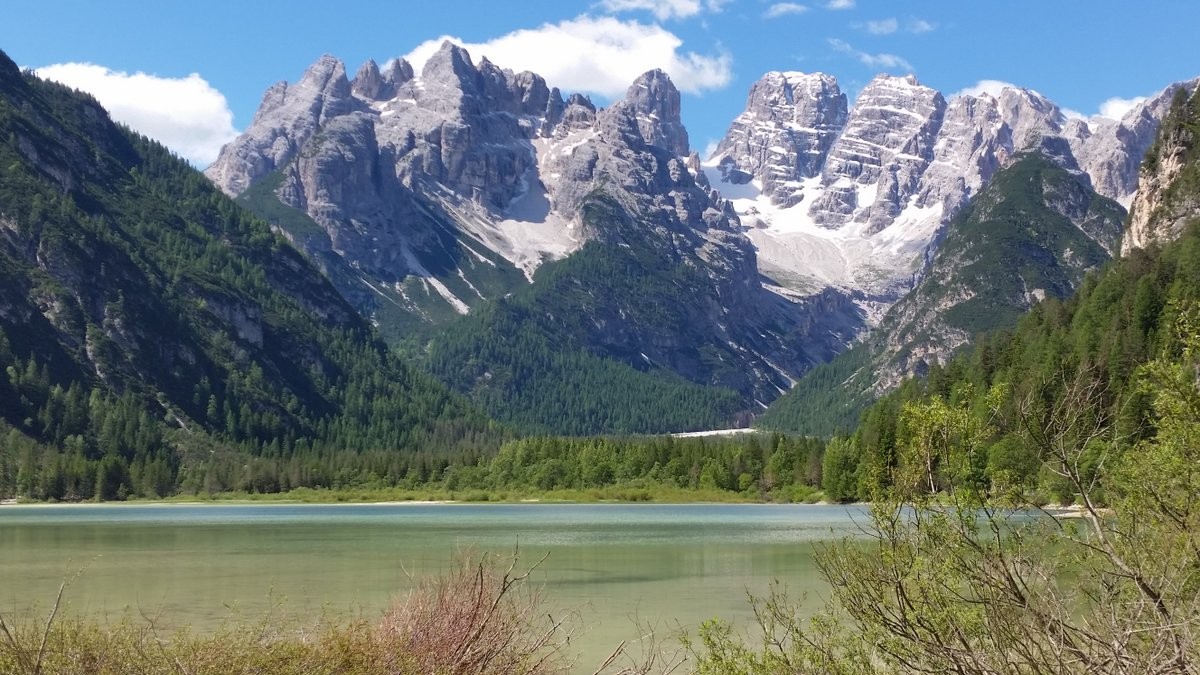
<point>667,565</point>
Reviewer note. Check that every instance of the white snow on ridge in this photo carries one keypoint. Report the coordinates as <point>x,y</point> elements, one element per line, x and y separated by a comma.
<point>715,432</point>
<point>529,231</point>
<point>804,257</point>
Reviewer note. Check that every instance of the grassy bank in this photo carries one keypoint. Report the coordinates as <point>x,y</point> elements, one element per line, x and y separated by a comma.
<point>480,618</point>
<point>636,492</point>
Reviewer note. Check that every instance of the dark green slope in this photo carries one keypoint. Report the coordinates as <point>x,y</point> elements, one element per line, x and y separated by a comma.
<point>142,311</point>
<point>1032,233</point>
<point>407,304</point>
<point>557,355</point>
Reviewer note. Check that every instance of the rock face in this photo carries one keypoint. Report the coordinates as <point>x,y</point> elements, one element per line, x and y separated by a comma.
<point>790,122</point>
<point>1111,151</point>
<point>858,199</point>
<point>425,194</point>
<point>1159,213</point>
<point>1032,233</point>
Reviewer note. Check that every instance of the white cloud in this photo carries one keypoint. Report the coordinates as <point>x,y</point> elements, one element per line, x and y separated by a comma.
<point>990,87</point>
<point>1072,114</point>
<point>885,61</point>
<point>892,25</point>
<point>840,4</point>
<point>883,27</point>
<point>1116,108</point>
<point>919,26</point>
<point>783,9</point>
<point>186,114</point>
<point>664,9</point>
<point>602,55</point>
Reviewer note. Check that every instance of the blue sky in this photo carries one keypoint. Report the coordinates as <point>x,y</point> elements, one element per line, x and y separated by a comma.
<point>204,65</point>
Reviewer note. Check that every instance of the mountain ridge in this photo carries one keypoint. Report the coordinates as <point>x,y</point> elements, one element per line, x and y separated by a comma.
<point>436,193</point>
<point>146,320</point>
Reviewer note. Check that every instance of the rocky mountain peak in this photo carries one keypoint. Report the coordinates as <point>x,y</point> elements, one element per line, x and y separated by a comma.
<point>790,122</point>
<point>375,85</point>
<point>287,118</point>
<point>328,76</point>
<point>450,61</point>
<point>1029,116</point>
<point>397,72</point>
<point>654,101</point>
<point>578,113</point>
<point>885,146</point>
<point>1165,203</point>
<point>368,81</point>
<point>451,81</point>
<point>856,198</point>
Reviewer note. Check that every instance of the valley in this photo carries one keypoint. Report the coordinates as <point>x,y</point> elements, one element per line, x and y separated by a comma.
<point>927,324</point>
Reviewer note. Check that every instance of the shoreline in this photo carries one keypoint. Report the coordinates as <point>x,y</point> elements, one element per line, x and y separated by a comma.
<point>407,502</point>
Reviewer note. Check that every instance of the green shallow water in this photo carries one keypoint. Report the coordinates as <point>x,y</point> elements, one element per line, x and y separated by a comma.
<point>663,565</point>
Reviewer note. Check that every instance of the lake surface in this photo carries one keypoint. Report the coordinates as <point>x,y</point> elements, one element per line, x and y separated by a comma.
<point>665,565</point>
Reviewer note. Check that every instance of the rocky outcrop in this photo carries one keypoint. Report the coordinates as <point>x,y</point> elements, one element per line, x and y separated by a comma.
<point>1111,151</point>
<point>286,119</point>
<point>886,145</point>
<point>653,101</point>
<point>1162,207</point>
<point>784,135</point>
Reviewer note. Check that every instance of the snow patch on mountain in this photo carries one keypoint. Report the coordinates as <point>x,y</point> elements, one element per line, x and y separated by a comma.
<point>803,256</point>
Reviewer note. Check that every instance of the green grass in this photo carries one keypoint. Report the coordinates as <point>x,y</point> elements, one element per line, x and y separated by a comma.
<point>478,618</point>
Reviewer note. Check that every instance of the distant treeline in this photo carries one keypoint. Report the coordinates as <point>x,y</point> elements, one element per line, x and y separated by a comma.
<point>130,459</point>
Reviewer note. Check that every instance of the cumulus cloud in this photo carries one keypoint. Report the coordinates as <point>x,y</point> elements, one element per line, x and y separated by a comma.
<point>919,26</point>
<point>186,114</point>
<point>784,9</point>
<point>664,9</point>
<point>883,26</point>
<point>840,4</point>
<point>602,55</point>
<point>1116,108</point>
<point>885,61</point>
<point>990,87</point>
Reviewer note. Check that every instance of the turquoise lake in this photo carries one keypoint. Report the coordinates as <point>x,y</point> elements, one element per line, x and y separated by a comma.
<point>608,566</point>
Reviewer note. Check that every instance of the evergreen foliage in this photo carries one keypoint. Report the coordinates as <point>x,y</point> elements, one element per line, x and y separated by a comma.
<point>1121,318</point>
<point>546,360</point>
<point>153,334</point>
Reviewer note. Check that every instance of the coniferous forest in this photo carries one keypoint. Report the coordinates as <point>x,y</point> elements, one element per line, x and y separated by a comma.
<point>156,337</point>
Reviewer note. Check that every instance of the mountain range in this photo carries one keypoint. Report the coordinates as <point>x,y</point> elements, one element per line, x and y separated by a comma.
<point>158,337</point>
<point>465,199</point>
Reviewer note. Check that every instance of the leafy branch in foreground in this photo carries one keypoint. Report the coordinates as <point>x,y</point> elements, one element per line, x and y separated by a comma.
<point>958,575</point>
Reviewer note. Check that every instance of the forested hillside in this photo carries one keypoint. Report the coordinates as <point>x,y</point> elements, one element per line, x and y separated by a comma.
<point>1071,365</point>
<point>1032,233</point>
<point>554,356</point>
<point>1092,403</point>
<point>155,335</point>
